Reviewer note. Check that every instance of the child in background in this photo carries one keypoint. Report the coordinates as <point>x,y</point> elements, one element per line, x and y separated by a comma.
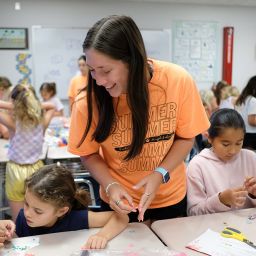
<point>234,92</point>
<point>246,105</point>
<point>209,101</point>
<point>223,177</point>
<point>26,127</point>
<point>5,90</point>
<point>48,92</point>
<point>54,204</point>
<point>224,96</point>
<point>79,81</point>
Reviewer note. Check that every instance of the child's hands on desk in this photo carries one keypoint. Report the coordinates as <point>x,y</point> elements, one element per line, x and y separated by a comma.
<point>233,197</point>
<point>96,241</point>
<point>7,229</point>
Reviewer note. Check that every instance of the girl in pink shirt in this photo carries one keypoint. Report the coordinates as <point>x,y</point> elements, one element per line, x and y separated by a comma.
<point>223,177</point>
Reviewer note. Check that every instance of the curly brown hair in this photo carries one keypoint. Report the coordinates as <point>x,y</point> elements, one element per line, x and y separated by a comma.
<point>55,184</point>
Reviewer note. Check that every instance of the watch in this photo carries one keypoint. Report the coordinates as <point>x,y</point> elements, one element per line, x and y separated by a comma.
<point>165,174</point>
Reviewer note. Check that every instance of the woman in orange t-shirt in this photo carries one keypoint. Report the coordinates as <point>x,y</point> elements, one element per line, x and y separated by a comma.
<point>78,82</point>
<point>135,123</point>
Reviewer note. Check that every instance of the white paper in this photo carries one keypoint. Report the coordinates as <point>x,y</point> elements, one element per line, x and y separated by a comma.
<point>19,246</point>
<point>212,243</point>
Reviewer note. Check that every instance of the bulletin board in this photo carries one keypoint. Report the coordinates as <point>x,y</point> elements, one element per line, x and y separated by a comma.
<point>55,52</point>
<point>196,48</point>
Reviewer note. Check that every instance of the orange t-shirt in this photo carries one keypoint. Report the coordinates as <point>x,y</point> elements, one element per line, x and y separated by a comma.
<point>175,108</point>
<point>76,84</point>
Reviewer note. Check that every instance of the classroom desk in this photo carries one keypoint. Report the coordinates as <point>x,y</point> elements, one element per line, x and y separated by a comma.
<point>59,153</point>
<point>3,151</point>
<point>177,233</point>
<point>136,237</point>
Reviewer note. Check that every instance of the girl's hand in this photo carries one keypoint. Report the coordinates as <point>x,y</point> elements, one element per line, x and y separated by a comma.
<point>7,229</point>
<point>250,185</point>
<point>151,184</point>
<point>234,197</point>
<point>96,241</point>
<point>119,200</point>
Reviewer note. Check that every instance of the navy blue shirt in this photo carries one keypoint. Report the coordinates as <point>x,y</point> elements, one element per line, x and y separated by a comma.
<point>75,220</point>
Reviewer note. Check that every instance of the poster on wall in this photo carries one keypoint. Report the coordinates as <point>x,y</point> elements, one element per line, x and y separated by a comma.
<point>195,47</point>
<point>13,38</point>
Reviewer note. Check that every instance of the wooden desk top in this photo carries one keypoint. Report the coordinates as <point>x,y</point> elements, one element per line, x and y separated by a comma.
<point>135,237</point>
<point>177,233</point>
<point>59,153</point>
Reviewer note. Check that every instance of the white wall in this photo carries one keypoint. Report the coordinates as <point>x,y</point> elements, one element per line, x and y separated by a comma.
<point>82,13</point>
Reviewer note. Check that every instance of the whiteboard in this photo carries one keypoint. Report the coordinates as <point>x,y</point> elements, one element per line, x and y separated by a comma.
<point>56,50</point>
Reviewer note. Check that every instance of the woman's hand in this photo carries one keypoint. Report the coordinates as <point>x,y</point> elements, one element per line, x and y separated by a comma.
<point>151,184</point>
<point>119,200</point>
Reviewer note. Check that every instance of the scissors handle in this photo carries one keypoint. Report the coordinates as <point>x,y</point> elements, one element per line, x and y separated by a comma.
<point>233,230</point>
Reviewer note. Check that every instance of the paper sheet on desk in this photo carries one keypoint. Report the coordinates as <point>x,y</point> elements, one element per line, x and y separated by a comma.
<point>19,246</point>
<point>140,252</point>
<point>212,243</point>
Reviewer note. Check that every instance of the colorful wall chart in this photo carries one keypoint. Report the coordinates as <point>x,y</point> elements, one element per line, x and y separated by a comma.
<point>23,68</point>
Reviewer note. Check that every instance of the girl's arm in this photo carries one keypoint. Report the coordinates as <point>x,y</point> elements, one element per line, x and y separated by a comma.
<point>48,113</point>
<point>7,121</point>
<point>59,113</point>
<point>47,105</point>
<point>6,105</point>
<point>252,120</point>
<point>112,223</point>
<point>198,201</point>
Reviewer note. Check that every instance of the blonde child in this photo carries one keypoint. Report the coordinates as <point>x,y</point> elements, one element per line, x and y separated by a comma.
<point>5,90</point>
<point>48,92</point>
<point>209,101</point>
<point>26,126</point>
<point>54,204</point>
<point>223,177</point>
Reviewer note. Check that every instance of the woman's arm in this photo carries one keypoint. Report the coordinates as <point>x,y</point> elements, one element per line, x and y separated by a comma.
<point>112,223</point>
<point>100,172</point>
<point>151,183</point>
